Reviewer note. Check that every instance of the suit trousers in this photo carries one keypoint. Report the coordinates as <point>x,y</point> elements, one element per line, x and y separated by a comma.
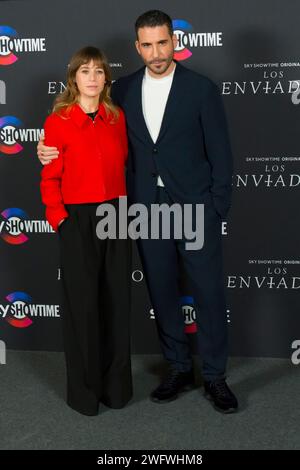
<point>96,305</point>
<point>161,259</point>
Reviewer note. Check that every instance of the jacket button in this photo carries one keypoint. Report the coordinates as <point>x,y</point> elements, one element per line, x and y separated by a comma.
<point>154,150</point>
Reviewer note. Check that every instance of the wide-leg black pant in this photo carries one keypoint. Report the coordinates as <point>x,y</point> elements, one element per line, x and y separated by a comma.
<point>96,285</point>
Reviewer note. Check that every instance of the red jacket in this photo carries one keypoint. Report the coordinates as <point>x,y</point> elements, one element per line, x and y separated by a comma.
<point>91,162</point>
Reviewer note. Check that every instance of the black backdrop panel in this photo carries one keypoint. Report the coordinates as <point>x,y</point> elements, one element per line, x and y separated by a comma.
<point>251,50</point>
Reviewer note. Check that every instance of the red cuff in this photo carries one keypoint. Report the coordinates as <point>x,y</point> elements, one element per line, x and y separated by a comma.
<point>55,214</point>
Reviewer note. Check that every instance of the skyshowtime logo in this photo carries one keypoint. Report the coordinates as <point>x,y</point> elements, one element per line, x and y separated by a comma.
<point>13,134</point>
<point>16,225</point>
<point>20,309</point>
<point>187,39</point>
<point>11,45</point>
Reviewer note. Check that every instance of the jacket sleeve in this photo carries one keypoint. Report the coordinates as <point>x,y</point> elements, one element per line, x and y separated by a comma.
<point>123,133</point>
<point>51,175</point>
<point>115,92</point>
<point>218,148</point>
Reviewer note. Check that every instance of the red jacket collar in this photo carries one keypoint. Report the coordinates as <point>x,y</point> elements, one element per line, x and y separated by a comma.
<point>80,117</point>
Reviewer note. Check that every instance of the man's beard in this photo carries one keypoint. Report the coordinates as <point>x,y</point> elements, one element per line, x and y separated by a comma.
<point>160,71</point>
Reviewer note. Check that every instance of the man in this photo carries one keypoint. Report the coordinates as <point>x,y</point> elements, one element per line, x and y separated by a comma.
<point>179,151</point>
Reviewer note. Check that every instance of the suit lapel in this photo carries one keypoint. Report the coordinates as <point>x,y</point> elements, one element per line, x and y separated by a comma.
<point>135,109</point>
<point>172,104</point>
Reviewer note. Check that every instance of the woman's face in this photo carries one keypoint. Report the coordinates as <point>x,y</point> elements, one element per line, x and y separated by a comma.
<point>90,80</point>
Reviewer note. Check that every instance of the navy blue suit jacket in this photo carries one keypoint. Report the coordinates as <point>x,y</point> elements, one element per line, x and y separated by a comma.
<point>192,153</point>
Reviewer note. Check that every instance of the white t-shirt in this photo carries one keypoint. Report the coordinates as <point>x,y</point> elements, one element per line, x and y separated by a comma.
<point>155,92</point>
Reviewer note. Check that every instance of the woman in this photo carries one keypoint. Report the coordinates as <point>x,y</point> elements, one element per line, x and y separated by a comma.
<point>90,134</point>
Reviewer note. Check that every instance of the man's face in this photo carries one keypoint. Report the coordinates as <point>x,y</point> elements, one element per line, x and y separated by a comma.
<point>156,47</point>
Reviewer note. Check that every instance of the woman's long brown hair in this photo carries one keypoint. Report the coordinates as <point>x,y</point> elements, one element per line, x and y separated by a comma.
<point>71,93</point>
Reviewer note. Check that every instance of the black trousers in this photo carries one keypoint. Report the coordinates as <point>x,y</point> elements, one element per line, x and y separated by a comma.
<point>161,260</point>
<point>96,285</point>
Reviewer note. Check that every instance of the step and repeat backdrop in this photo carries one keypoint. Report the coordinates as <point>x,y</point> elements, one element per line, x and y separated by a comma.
<point>251,50</point>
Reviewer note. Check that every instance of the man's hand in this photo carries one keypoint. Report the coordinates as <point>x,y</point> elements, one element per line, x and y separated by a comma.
<point>46,154</point>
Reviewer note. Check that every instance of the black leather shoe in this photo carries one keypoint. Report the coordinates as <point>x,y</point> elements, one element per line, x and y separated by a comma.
<point>220,394</point>
<point>174,383</point>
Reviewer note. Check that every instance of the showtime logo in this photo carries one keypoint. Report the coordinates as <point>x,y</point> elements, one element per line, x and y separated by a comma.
<point>16,225</point>
<point>20,309</point>
<point>11,45</point>
<point>12,132</point>
<point>188,312</point>
<point>187,39</point>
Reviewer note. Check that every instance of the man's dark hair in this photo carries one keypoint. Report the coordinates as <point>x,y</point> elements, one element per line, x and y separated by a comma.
<point>153,18</point>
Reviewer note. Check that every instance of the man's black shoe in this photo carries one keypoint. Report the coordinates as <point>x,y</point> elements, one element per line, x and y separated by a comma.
<point>220,394</point>
<point>174,383</point>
